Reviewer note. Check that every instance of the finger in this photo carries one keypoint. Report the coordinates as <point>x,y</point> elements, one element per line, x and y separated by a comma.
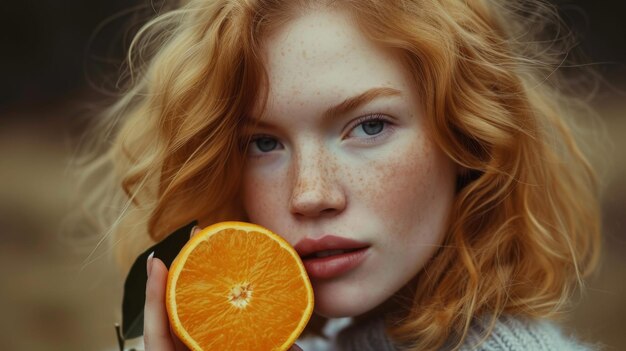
<point>178,344</point>
<point>295,347</point>
<point>156,330</point>
<point>195,230</point>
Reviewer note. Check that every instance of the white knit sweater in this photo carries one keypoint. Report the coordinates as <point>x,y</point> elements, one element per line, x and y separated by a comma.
<point>512,334</point>
<point>509,334</point>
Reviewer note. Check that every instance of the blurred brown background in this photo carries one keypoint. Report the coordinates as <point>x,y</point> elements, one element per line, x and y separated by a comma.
<point>59,57</point>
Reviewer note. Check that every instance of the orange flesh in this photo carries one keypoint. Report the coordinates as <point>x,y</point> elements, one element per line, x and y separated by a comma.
<point>239,290</point>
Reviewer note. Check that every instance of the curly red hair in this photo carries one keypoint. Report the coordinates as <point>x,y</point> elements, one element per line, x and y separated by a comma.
<point>525,224</point>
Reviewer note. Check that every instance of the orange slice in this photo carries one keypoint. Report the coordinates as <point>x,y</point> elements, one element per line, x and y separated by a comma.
<point>238,286</point>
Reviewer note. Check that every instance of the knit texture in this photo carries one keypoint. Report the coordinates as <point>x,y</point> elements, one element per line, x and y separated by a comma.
<point>512,334</point>
<point>509,334</point>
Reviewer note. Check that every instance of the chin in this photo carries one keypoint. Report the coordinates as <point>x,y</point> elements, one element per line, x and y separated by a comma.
<point>336,308</point>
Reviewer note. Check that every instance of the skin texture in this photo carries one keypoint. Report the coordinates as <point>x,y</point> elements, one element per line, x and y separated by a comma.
<point>157,333</point>
<point>326,175</point>
<point>309,174</point>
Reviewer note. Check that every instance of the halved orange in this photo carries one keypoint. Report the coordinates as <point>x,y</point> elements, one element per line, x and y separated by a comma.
<point>238,286</point>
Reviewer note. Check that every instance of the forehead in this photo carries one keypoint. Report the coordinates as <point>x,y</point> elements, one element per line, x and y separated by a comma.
<point>323,55</point>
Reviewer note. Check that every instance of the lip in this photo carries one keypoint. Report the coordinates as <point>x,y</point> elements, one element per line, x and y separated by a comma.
<point>335,265</point>
<point>308,246</point>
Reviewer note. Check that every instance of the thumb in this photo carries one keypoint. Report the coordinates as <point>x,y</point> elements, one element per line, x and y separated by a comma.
<point>295,348</point>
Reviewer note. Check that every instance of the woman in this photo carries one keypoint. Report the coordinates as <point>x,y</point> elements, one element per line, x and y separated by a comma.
<point>424,134</point>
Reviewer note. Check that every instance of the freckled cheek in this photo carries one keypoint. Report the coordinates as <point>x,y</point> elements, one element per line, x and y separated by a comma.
<point>266,202</point>
<point>401,191</point>
<point>404,186</point>
<point>260,198</point>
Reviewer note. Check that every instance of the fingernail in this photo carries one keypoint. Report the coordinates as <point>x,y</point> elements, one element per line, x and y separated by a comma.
<point>194,230</point>
<point>149,263</point>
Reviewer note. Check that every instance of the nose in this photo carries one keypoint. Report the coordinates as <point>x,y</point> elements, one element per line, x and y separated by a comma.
<point>316,191</point>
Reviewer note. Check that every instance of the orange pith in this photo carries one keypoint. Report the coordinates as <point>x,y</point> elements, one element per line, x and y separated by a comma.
<point>238,286</point>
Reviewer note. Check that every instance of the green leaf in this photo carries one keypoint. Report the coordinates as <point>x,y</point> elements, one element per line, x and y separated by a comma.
<point>135,285</point>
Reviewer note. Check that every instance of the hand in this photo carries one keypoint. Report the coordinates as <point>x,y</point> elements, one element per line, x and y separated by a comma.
<point>157,334</point>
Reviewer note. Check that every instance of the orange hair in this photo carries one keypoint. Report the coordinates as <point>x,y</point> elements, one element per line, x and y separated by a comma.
<point>525,223</point>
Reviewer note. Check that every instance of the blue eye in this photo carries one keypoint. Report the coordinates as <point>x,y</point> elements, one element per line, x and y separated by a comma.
<point>369,126</point>
<point>373,127</point>
<point>266,144</point>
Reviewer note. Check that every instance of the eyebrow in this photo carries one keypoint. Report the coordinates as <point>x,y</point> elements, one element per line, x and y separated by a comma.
<point>348,105</point>
<point>352,103</point>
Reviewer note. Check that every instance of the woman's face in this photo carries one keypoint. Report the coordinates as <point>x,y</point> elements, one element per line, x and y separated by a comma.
<point>342,160</point>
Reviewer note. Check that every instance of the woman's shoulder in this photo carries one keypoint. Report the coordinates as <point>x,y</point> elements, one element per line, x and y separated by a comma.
<point>521,334</point>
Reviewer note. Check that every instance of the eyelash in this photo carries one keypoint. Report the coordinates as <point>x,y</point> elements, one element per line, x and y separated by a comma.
<point>257,137</point>
<point>356,123</point>
<point>370,118</point>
